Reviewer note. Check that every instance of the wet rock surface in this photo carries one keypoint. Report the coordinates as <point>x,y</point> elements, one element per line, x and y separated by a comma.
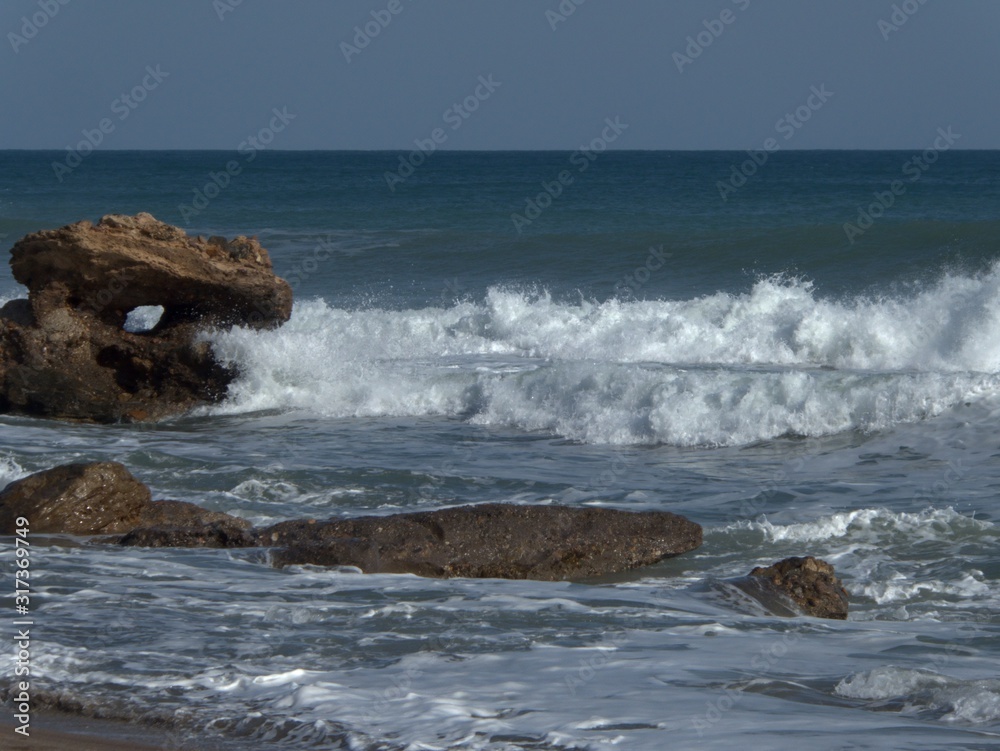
<point>489,540</point>
<point>64,352</point>
<point>810,584</point>
<point>179,524</point>
<point>78,499</point>
<point>485,540</point>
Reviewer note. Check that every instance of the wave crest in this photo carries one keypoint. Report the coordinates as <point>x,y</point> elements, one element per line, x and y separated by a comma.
<point>724,369</point>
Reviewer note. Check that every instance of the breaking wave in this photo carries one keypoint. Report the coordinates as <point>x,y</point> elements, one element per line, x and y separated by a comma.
<point>724,369</point>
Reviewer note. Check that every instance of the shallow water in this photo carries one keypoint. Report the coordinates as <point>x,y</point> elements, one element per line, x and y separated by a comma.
<point>801,397</point>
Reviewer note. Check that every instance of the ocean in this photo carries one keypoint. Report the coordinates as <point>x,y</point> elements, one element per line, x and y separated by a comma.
<point>802,355</point>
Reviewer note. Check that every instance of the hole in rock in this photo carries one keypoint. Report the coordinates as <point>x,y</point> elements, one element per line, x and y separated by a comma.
<point>143,319</point>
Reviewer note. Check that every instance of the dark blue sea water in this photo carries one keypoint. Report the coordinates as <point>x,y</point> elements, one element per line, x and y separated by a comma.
<point>808,363</point>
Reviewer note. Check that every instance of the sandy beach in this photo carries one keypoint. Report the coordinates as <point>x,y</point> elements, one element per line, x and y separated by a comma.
<point>64,733</point>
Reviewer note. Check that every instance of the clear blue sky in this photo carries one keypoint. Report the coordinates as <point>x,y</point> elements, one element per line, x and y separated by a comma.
<point>892,85</point>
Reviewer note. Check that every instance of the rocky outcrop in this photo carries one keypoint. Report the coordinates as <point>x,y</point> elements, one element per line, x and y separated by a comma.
<point>489,540</point>
<point>809,584</point>
<point>179,524</point>
<point>103,498</point>
<point>64,352</point>
<point>202,531</point>
<point>78,499</point>
<point>486,540</point>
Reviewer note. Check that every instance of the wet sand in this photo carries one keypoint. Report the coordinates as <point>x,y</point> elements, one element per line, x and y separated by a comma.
<point>52,732</point>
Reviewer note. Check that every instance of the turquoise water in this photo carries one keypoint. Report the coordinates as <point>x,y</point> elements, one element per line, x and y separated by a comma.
<point>642,343</point>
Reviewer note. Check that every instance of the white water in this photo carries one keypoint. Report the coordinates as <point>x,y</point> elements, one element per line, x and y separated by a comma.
<point>724,369</point>
<point>662,659</point>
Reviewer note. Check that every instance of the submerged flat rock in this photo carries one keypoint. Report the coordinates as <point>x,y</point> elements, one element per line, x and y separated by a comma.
<point>489,540</point>
<point>494,540</point>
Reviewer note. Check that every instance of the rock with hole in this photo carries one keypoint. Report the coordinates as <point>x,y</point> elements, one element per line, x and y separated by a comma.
<point>65,352</point>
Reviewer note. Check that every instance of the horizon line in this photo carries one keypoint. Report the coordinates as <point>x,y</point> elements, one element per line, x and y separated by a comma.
<point>494,151</point>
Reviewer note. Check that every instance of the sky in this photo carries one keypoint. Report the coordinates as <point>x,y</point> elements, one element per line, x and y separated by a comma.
<point>498,74</point>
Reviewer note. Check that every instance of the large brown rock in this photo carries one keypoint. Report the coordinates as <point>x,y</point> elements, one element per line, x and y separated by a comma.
<point>809,583</point>
<point>179,524</point>
<point>124,262</point>
<point>489,540</point>
<point>64,352</point>
<point>79,499</point>
<point>103,498</point>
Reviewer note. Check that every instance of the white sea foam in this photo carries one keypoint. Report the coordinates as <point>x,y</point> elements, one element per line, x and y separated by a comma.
<point>976,701</point>
<point>722,369</point>
<point>875,525</point>
<point>890,557</point>
<point>10,470</point>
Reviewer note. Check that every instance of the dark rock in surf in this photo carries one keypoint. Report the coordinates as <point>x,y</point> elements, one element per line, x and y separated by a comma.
<point>103,498</point>
<point>78,499</point>
<point>221,533</point>
<point>489,540</point>
<point>179,524</point>
<point>810,584</point>
<point>64,352</point>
